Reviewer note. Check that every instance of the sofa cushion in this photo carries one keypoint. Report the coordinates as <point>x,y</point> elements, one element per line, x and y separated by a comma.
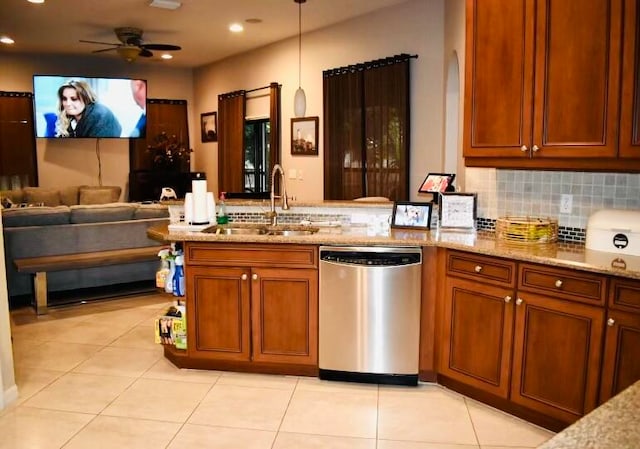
<point>96,213</point>
<point>69,196</point>
<point>47,196</point>
<point>151,211</point>
<point>98,194</point>
<point>35,216</point>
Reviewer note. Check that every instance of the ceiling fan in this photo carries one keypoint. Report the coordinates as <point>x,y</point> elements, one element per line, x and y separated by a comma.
<point>131,44</point>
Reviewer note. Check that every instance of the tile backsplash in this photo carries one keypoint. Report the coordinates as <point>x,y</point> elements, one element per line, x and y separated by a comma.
<point>538,193</point>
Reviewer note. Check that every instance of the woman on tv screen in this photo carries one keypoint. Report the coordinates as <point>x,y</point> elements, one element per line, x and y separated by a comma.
<point>81,115</point>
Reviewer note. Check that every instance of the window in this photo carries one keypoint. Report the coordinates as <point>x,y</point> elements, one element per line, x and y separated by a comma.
<point>366,126</point>
<point>256,155</point>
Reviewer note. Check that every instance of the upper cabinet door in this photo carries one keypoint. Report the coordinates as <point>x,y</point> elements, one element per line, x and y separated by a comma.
<point>577,78</point>
<point>630,118</point>
<point>499,78</point>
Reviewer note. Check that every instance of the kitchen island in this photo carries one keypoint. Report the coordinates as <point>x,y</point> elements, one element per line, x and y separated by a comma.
<point>512,304</point>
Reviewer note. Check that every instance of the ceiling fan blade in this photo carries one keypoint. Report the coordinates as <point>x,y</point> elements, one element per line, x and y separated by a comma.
<point>105,49</point>
<point>161,47</point>
<point>145,53</point>
<point>98,42</point>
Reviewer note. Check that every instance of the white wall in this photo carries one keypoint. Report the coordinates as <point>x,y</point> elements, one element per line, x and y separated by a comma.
<point>63,162</point>
<point>415,27</point>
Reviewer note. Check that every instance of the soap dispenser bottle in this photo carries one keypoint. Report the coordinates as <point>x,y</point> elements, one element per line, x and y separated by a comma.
<point>223,218</point>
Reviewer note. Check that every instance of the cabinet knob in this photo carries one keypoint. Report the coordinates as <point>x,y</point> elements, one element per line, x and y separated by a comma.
<point>535,148</point>
<point>524,148</point>
<point>518,301</point>
<point>478,269</point>
<point>243,277</point>
<point>254,276</point>
<point>611,322</point>
<point>558,283</point>
<point>507,299</point>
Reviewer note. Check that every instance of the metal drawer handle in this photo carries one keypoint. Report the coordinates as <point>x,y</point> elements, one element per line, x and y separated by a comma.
<point>507,299</point>
<point>518,301</point>
<point>611,322</point>
<point>524,148</point>
<point>558,283</point>
<point>254,277</point>
<point>478,269</point>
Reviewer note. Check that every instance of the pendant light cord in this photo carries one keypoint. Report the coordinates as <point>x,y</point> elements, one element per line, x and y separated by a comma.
<point>299,44</point>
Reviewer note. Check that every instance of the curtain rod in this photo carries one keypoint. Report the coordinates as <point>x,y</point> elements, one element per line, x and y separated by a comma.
<point>236,93</point>
<point>369,64</point>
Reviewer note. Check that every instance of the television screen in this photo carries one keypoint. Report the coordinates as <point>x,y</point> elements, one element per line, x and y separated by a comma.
<point>77,107</point>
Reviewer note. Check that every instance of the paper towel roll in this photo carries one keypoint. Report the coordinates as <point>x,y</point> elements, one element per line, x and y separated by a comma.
<point>199,190</point>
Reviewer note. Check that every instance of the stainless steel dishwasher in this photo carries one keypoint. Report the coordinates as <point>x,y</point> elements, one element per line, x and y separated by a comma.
<point>369,314</point>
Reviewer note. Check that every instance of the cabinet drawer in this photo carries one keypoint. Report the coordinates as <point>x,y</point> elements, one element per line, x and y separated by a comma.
<point>246,254</point>
<point>625,295</point>
<point>481,268</point>
<point>563,283</point>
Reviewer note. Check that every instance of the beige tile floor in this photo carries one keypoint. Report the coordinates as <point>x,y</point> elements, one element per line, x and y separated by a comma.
<point>90,376</point>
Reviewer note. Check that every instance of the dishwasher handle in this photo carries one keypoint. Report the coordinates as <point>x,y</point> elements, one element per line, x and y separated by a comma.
<point>372,259</point>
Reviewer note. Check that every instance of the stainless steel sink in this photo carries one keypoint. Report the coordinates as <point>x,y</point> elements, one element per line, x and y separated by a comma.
<point>260,229</point>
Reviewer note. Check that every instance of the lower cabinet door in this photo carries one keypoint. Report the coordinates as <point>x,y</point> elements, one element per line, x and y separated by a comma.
<point>284,306</point>
<point>621,365</point>
<point>556,356</point>
<point>478,331</point>
<point>218,314</point>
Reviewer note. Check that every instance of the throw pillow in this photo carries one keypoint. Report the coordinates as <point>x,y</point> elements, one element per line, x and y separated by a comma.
<point>16,196</point>
<point>46,196</point>
<point>99,195</point>
<point>69,195</point>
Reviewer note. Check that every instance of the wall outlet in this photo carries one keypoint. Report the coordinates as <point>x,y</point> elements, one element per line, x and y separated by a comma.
<point>566,203</point>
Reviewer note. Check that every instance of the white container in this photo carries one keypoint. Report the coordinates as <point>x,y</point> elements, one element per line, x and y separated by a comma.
<point>614,231</point>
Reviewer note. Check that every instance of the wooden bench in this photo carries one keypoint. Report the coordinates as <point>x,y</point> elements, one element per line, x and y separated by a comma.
<point>39,266</point>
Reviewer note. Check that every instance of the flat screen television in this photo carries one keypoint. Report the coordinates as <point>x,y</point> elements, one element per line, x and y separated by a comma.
<point>89,107</point>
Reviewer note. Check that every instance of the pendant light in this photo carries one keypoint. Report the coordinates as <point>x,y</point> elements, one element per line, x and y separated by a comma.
<point>300,99</point>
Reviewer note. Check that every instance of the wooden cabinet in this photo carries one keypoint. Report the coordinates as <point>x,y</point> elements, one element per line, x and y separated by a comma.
<point>252,305</point>
<point>478,321</point>
<point>556,357</point>
<point>526,333</point>
<point>630,106</point>
<point>621,365</point>
<point>542,83</point>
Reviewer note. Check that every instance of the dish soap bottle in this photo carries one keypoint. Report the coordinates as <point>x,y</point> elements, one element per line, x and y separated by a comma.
<point>178,276</point>
<point>223,218</point>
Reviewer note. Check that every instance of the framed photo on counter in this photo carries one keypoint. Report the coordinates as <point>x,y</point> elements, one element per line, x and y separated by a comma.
<point>410,215</point>
<point>457,210</point>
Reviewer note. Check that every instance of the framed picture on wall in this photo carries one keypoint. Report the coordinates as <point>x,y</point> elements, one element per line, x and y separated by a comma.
<point>209,126</point>
<point>304,136</point>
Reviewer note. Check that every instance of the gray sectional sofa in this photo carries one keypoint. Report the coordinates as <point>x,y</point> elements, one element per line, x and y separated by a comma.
<point>54,229</point>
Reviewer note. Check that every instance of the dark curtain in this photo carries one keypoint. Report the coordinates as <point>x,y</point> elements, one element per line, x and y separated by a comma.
<point>366,130</point>
<point>274,123</point>
<point>231,112</point>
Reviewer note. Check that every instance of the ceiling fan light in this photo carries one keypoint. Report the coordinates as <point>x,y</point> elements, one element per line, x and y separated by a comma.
<point>128,53</point>
<point>299,103</point>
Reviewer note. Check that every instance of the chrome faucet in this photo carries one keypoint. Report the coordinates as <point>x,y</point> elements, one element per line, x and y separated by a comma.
<point>272,215</point>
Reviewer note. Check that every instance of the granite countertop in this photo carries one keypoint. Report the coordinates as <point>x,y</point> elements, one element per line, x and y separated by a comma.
<point>568,255</point>
<point>613,425</point>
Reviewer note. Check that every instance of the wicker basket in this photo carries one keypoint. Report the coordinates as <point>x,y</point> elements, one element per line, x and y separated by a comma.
<point>527,229</point>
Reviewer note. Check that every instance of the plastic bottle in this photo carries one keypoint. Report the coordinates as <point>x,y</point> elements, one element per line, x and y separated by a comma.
<point>178,277</point>
<point>168,285</point>
<point>223,218</point>
<point>162,273</point>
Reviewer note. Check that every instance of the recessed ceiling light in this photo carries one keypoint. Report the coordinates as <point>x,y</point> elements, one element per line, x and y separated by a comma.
<point>7,40</point>
<point>165,4</point>
<point>166,56</point>
<point>35,1</point>
<point>254,20</point>
<point>236,28</point>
